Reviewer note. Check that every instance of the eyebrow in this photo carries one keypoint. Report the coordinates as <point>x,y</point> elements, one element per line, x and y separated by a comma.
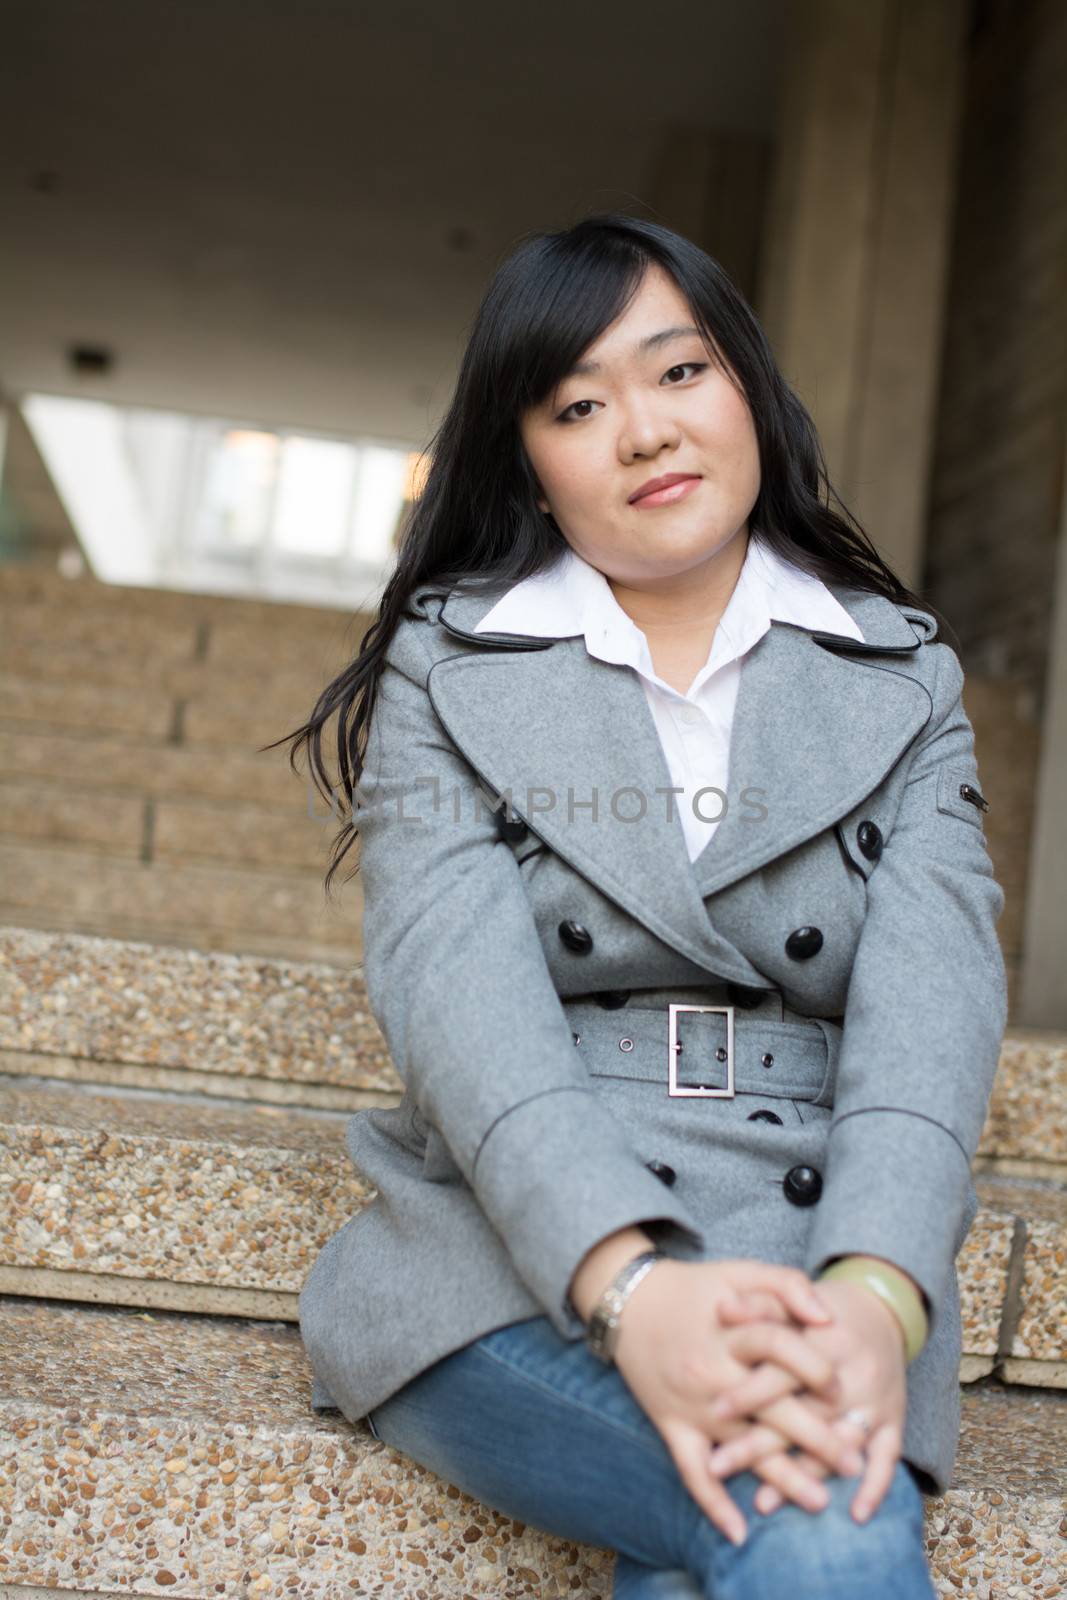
<point>652,342</point>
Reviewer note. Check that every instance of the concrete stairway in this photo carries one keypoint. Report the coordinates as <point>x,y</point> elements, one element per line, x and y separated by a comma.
<point>134,797</point>
<point>183,1036</point>
<point>160,1107</point>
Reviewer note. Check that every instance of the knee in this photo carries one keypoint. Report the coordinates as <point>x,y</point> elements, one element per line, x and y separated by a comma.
<point>826,1552</point>
<point>900,1510</point>
<point>632,1580</point>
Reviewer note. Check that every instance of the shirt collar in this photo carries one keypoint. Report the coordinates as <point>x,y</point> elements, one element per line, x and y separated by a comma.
<point>574,598</point>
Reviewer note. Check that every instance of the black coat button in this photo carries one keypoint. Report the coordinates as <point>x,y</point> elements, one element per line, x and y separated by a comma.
<point>663,1172</point>
<point>802,1185</point>
<point>803,942</point>
<point>763,1115</point>
<point>869,839</point>
<point>576,938</point>
<point>513,829</point>
<point>744,997</point>
<point>612,999</point>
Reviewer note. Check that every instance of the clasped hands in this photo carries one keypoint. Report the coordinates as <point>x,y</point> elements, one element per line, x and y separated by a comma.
<point>782,1362</point>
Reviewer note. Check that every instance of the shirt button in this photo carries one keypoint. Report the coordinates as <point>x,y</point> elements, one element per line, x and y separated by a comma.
<point>690,714</point>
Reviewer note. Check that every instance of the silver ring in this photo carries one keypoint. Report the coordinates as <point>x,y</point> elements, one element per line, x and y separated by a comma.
<point>859,1417</point>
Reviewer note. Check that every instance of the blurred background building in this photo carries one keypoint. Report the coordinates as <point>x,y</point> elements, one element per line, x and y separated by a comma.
<point>243,241</point>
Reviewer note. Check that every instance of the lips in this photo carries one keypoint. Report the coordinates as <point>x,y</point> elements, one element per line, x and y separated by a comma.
<point>655,484</point>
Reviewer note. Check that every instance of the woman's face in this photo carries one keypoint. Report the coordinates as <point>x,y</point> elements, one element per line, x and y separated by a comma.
<point>646,413</point>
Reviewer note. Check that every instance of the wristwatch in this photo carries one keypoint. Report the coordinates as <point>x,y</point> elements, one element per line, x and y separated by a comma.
<point>602,1329</point>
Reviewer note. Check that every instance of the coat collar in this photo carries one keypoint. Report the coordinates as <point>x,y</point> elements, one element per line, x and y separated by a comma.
<point>820,720</point>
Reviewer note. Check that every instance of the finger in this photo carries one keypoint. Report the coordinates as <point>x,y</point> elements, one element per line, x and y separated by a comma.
<point>815,1433</point>
<point>769,1497</point>
<point>795,1420</point>
<point>883,1452</point>
<point>790,1477</point>
<point>689,1450</point>
<point>786,1347</point>
<point>765,1384</point>
<point>743,1449</point>
<point>741,1306</point>
<point>790,1284</point>
<point>851,1430</point>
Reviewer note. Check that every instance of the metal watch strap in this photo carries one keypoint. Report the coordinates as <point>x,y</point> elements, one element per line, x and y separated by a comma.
<point>602,1329</point>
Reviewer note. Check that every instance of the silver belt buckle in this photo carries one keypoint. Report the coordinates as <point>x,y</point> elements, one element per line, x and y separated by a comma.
<point>673,1086</point>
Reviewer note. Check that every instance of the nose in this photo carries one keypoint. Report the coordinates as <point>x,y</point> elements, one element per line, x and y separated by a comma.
<point>645,430</point>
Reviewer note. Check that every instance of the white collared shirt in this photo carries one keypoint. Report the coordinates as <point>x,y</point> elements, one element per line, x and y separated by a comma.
<point>694,728</point>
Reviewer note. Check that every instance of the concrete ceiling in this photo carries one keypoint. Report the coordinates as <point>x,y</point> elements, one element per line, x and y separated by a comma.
<point>287,212</point>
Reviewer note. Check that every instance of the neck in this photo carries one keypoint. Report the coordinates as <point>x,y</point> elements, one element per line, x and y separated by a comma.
<point>690,599</point>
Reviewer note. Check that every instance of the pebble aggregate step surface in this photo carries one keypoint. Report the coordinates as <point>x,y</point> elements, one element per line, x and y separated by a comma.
<point>215,1016</point>
<point>113,1189</point>
<point>78,997</point>
<point>179,1454</point>
<point>1036,1349</point>
<point>168,1190</point>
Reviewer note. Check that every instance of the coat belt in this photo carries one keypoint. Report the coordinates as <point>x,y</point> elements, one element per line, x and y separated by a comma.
<point>777,1052</point>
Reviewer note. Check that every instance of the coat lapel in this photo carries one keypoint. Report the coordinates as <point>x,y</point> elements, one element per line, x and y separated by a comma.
<point>820,720</point>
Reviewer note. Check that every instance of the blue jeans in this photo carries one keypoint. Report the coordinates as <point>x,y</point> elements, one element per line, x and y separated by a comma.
<point>536,1427</point>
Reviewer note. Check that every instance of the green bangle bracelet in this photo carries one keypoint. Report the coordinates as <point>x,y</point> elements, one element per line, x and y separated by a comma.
<point>904,1301</point>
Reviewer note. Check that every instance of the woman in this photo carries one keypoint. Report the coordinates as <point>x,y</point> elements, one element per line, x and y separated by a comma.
<point>680,927</point>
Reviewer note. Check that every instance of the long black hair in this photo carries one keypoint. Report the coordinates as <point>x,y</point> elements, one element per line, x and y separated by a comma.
<point>477,518</point>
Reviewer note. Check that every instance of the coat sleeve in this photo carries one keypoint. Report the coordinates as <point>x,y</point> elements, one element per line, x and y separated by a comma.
<point>924,1020</point>
<point>459,984</point>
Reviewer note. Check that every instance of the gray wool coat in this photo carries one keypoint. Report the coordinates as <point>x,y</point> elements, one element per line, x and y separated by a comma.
<point>520,962</point>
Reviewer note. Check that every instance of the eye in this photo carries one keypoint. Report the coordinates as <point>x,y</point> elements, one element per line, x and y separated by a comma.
<point>563,417</point>
<point>697,366</point>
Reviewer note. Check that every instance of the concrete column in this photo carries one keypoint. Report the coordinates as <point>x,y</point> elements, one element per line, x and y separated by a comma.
<point>1043,977</point>
<point>854,265</point>
<point>711,185</point>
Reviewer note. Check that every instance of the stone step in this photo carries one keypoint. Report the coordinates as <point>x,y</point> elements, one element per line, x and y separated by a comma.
<point>109,632</point>
<point>231,643</point>
<point>33,811</point>
<point>296,684</point>
<point>1025,1134</point>
<point>102,645</point>
<point>1013,1282</point>
<point>85,707</point>
<point>146,1454</point>
<point>25,583</point>
<point>151,713</point>
<point>198,905</point>
<point>108,764</point>
<point>141,1014</point>
<point>147,828</point>
<point>224,638</point>
<point>148,1199</point>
